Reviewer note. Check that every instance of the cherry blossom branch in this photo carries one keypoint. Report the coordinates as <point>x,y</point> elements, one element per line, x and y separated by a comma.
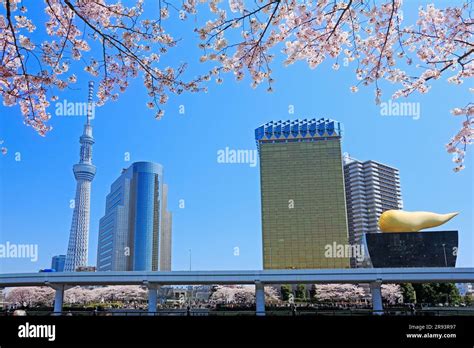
<point>20,58</point>
<point>368,32</point>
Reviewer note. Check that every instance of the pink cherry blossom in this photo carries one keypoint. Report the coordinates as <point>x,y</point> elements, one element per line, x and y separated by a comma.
<point>130,45</point>
<point>371,36</point>
<point>239,37</point>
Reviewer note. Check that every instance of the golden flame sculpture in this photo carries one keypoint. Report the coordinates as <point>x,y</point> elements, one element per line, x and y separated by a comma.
<point>405,221</point>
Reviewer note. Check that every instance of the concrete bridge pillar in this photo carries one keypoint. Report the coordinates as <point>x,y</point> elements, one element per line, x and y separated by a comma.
<point>58,299</point>
<point>152,298</point>
<point>259,299</point>
<point>376,290</point>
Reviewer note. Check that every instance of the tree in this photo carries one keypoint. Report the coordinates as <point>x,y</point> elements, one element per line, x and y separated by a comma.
<point>78,296</point>
<point>392,293</point>
<point>447,293</point>
<point>43,296</point>
<point>240,294</point>
<point>468,300</point>
<point>425,293</point>
<point>119,293</point>
<point>408,292</point>
<point>312,293</point>
<point>285,292</point>
<point>437,293</point>
<point>370,37</point>
<point>31,296</point>
<point>300,292</point>
<point>340,293</point>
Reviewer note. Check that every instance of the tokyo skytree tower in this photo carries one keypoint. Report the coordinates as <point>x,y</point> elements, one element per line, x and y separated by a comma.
<point>84,173</point>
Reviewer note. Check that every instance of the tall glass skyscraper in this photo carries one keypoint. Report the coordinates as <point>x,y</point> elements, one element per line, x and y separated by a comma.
<point>132,229</point>
<point>302,193</point>
<point>57,262</point>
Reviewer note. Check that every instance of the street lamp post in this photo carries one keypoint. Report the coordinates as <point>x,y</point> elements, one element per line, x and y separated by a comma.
<point>445,259</point>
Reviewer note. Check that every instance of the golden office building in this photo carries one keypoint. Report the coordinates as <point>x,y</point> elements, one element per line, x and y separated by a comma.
<point>304,219</point>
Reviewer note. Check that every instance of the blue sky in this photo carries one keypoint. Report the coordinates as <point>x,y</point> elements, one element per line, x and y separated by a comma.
<point>222,201</point>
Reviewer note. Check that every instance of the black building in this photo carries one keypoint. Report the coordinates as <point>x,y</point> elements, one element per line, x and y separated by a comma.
<point>413,249</point>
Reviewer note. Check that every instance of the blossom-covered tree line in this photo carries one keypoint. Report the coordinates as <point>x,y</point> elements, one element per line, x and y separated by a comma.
<point>44,296</point>
<point>241,294</point>
<point>237,294</point>
<point>115,43</point>
<point>391,293</point>
<point>30,296</point>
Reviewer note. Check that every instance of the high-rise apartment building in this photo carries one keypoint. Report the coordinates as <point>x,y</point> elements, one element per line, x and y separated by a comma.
<point>371,189</point>
<point>302,194</point>
<point>165,233</point>
<point>136,227</point>
<point>58,262</point>
<point>84,172</point>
